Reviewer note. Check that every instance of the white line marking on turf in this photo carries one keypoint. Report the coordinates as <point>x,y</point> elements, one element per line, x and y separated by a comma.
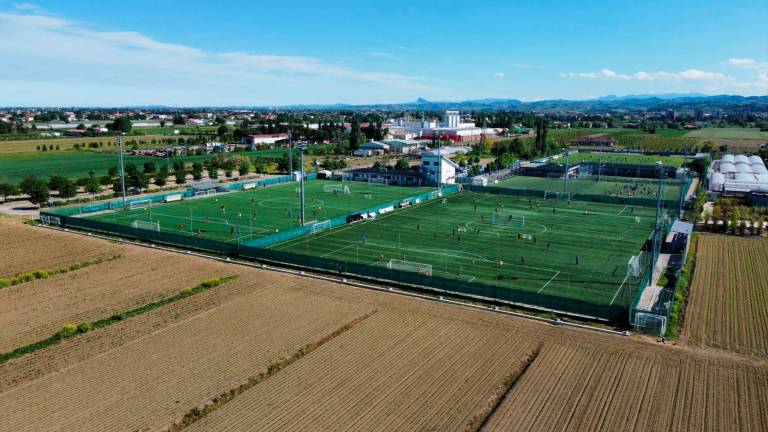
<point>545,285</point>
<point>622,211</point>
<point>617,291</point>
<point>338,250</point>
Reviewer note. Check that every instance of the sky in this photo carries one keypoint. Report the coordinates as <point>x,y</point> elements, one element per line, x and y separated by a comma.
<point>258,53</point>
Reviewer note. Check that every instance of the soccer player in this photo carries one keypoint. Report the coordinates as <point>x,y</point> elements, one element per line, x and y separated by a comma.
<point>554,210</point>
<point>418,227</point>
<point>365,238</point>
<point>549,245</point>
<point>578,259</point>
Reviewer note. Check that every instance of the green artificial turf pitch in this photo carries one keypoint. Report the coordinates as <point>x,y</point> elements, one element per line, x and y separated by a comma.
<point>258,212</point>
<point>603,236</point>
<point>623,187</point>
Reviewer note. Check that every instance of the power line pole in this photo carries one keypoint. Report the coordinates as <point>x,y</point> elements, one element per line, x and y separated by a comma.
<point>119,140</point>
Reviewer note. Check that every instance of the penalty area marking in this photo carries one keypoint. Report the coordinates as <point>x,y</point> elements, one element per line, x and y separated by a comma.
<point>617,291</point>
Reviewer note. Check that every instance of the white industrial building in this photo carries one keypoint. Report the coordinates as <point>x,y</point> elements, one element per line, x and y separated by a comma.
<point>438,168</point>
<point>738,174</point>
<point>451,128</point>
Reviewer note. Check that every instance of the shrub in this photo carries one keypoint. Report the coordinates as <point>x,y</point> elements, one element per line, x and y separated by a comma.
<point>5,282</point>
<point>187,291</point>
<point>84,327</point>
<point>119,316</point>
<point>75,266</point>
<point>42,274</point>
<point>209,283</point>
<point>67,330</point>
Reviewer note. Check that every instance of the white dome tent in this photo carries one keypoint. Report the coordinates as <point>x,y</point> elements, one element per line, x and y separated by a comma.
<point>738,174</point>
<point>741,159</point>
<point>727,167</point>
<point>743,167</point>
<point>728,158</point>
<point>756,159</point>
<point>759,169</point>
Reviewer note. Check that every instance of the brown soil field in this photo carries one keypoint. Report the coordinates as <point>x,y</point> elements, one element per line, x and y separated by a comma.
<point>569,388</point>
<point>147,383</point>
<point>740,145</point>
<point>30,146</point>
<point>392,372</point>
<point>26,248</point>
<point>728,299</point>
<point>35,310</point>
<point>399,364</point>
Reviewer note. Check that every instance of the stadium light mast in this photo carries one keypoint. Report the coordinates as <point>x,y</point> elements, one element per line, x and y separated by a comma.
<point>290,152</point>
<point>685,181</point>
<point>657,226</point>
<point>301,187</point>
<point>565,186</point>
<point>119,140</point>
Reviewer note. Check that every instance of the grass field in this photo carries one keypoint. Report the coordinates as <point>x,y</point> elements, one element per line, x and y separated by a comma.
<point>622,187</point>
<point>635,159</point>
<point>9,147</point>
<point>259,212</point>
<point>460,240</point>
<point>77,164</point>
<point>731,132</point>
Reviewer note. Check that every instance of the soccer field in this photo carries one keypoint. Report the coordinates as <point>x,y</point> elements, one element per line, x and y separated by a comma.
<point>577,250</point>
<point>247,215</point>
<point>623,188</point>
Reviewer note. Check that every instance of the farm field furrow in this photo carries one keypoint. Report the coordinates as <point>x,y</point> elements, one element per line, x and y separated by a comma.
<point>392,372</point>
<point>25,248</point>
<point>631,391</point>
<point>74,350</point>
<point>35,310</point>
<point>150,382</point>
<point>728,302</point>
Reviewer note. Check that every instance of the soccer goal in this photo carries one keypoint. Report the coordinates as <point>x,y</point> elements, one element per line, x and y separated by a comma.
<point>149,226</point>
<point>410,266</point>
<point>508,220</point>
<point>633,266</point>
<point>336,189</point>
<point>461,229</point>
<point>50,220</point>
<point>379,180</point>
<point>320,226</point>
<point>139,204</point>
<point>557,195</point>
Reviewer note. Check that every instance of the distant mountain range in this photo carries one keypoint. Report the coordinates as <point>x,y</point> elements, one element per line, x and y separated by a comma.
<point>602,104</point>
<point>610,103</point>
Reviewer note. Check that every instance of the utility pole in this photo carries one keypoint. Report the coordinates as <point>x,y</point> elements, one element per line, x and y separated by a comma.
<point>119,140</point>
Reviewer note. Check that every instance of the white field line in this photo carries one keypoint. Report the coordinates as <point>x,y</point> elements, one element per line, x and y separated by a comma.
<point>545,285</point>
<point>619,289</point>
<point>622,211</point>
<point>338,250</point>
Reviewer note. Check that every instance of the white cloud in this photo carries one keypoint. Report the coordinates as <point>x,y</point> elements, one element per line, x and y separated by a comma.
<point>499,74</point>
<point>84,66</point>
<point>690,74</point>
<point>747,63</point>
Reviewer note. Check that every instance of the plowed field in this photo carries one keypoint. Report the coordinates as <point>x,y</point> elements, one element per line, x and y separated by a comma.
<point>728,304</point>
<point>25,248</point>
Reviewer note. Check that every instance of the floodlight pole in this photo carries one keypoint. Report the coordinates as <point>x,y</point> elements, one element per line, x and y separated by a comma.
<point>685,181</point>
<point>657,227</point>
<point>119,140</point>
<point>565,186</point>
<point>439,166</point>
<point>290,153</point>
<point>301,169</point>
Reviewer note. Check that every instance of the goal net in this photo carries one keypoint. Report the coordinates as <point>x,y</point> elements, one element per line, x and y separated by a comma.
<point>336,189</point>
<point>633,266</point>
<point>204,193</point>
<point>149,226</point>
<point>320,226</point>
<point>508,220</point>
<point>50,220</point>
<point>650,323</point>
<point>379,180</point>
<point>139,204</point>
<point>410,266</point>
<point>557,195</point>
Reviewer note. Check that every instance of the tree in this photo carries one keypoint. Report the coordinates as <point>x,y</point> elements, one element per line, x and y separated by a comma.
<point>149,167</point>
<point>67,189</point>
<point>178,119</point>
<point>7,189</point>
<point>197,171</point>
<point>222,130</point>
<point>377,165</point>
<point>161,177</point>
<point>243,167</point>
<point>55,182</point>
<point>212,166</point>
<point>403,164</point>
<point>121,124</point>
<point>92,185</point>
<point>181,174</point>
<point>355,136</point>
<point>36,189</point>
<point>136,178</point>
<point>162,123</point>
<point>112,172</point>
